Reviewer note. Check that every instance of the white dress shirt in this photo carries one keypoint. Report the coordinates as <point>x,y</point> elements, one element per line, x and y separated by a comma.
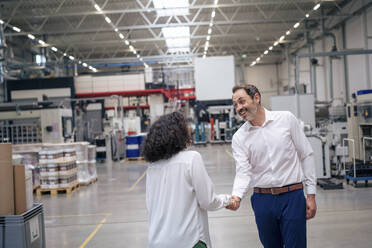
<point>272,155</point>
<point>179,193</point>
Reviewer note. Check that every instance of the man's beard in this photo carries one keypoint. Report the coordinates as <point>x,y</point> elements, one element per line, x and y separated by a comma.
<point>250,112</point>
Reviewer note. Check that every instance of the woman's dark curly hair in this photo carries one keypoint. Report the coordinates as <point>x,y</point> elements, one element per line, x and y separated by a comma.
<point>167,136</point>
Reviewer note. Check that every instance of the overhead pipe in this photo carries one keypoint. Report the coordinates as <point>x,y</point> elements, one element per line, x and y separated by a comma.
<point>326,54</point>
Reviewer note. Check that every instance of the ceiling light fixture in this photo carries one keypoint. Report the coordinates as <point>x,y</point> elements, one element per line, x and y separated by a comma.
<point>126,42</point>
<point>209,30</point>
<point>281,38</point>
<point>307,15</point>
<point>108,20</point>
<point>288,32</point>
<point>121,36</point>
<point>213,13</point>
<point>271,48</point>
<point>258,59</point>
<point>54,49</point>
<point>97,7</point>
<point>276,43</point>
<point>31,36</point>
<point>316,6</point>
<point>16,29</point>
<point>266,52</point>
<point>41,42</point>
<point>71,57</point>
<point>296,25</point>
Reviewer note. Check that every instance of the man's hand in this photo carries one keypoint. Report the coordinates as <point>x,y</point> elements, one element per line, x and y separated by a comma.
<point>310,206</point>
<point>234,203</point>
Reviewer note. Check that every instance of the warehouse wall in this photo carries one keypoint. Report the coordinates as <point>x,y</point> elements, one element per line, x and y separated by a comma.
<point>358,31</point>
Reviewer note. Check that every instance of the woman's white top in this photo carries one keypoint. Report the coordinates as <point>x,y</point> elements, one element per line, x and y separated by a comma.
<point>179,193</point>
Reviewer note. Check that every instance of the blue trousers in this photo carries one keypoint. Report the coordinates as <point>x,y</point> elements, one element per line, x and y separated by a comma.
<point>281,219</point>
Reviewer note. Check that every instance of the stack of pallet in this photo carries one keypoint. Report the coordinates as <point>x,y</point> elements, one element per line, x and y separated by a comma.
<point>58,171</point>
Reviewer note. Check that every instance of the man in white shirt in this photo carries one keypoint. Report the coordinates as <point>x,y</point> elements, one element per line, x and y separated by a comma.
<point>274,157</point>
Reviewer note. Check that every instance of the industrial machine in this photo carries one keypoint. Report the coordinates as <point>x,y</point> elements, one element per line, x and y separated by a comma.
<point>359,125</point>
<point>35,123</point>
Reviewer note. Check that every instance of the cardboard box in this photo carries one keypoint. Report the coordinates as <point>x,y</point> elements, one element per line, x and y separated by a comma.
<point>6,180</point>
<point>22,189</point>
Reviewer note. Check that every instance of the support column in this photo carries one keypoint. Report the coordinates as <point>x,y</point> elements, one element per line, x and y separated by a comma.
<point>2,60</point>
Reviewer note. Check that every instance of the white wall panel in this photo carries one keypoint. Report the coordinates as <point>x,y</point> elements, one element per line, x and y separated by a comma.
<point>31,94</point>
<point>214,78</point>
<point>265,78</point>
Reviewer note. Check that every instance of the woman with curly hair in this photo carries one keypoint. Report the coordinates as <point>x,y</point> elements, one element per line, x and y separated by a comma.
<point>179,191</point>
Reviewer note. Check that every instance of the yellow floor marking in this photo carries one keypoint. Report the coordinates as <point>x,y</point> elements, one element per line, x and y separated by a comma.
<point>77,215</point>
<point>93,233</point>
<point>230,154</point>
<point>138,180</point>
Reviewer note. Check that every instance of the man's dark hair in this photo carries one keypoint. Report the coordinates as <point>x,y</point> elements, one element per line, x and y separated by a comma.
<point>250,89</point>
<point>167,136</point>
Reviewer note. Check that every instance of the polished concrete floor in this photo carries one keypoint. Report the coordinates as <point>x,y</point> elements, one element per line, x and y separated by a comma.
<point>112,212</point>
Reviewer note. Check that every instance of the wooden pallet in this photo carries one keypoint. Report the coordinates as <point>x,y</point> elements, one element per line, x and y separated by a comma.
<point>134,159</point>
<point>91,182</point>
<point>35,187</point>
<point>67,190</point>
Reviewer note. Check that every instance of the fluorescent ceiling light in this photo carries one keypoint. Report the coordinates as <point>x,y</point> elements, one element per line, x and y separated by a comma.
<point>41,42</point>
<point>266,52</point>
<point>121,36</point>
<point>141,59</point>
<point>258,59</point>
<point>209,31</point>
<point>281,38</point>
<point>31,36</point>
<point>65,54</point>
<point>316,6</point>
<point>1,22</point>
<point>204,56</point>
<point>213,14</point>
<point>116,30</point>
<point>134,52</point>
<point>108,20</point>
<point>307,15</point>
<point>210,24</point>
<point>79,61</point>
<point>85,65</point>
<point>145,65</point>
<point>54,49</point>
<point>208,37</point>
<point>131,47</point>
<point>126,42</point>
<point>90,67</point>
<point>177,38</point>
<point>296,25</point>
<point>16,29</point>
<point>276,43</point>
<point>215,2</point>
<point>271,48</point>
<point>97,7</point>
<point>288,32</point>
<point>253,63</point>
<point>94,69</point>
<point>171,8</point>
<point>71,57</point>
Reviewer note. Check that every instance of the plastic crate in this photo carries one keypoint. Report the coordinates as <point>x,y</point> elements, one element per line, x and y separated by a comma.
<point>23,231</point>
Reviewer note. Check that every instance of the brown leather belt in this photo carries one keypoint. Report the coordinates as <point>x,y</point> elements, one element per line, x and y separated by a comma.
<point>279,190</point>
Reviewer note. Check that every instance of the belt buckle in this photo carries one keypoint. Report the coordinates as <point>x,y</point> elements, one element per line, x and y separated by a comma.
<point>273,192</point>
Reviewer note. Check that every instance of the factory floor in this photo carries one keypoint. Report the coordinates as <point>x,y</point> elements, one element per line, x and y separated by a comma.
<point>112,211</point>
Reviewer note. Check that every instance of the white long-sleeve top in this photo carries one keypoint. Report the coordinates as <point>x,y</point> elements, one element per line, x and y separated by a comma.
<point>179,193</point>
<point>272,155</point>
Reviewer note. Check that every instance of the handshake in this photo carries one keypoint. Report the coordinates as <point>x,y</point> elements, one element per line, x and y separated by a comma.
<point>234,203</point>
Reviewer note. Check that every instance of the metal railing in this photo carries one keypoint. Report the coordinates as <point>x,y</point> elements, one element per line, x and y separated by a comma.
<point>20,134</point>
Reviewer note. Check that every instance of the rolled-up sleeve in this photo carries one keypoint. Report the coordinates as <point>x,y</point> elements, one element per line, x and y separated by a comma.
<point>305,154</point>
<point>243,169</point>
<point>204,188</point>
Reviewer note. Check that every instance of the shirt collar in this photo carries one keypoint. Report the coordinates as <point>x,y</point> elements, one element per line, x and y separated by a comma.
<point>268,118</point>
